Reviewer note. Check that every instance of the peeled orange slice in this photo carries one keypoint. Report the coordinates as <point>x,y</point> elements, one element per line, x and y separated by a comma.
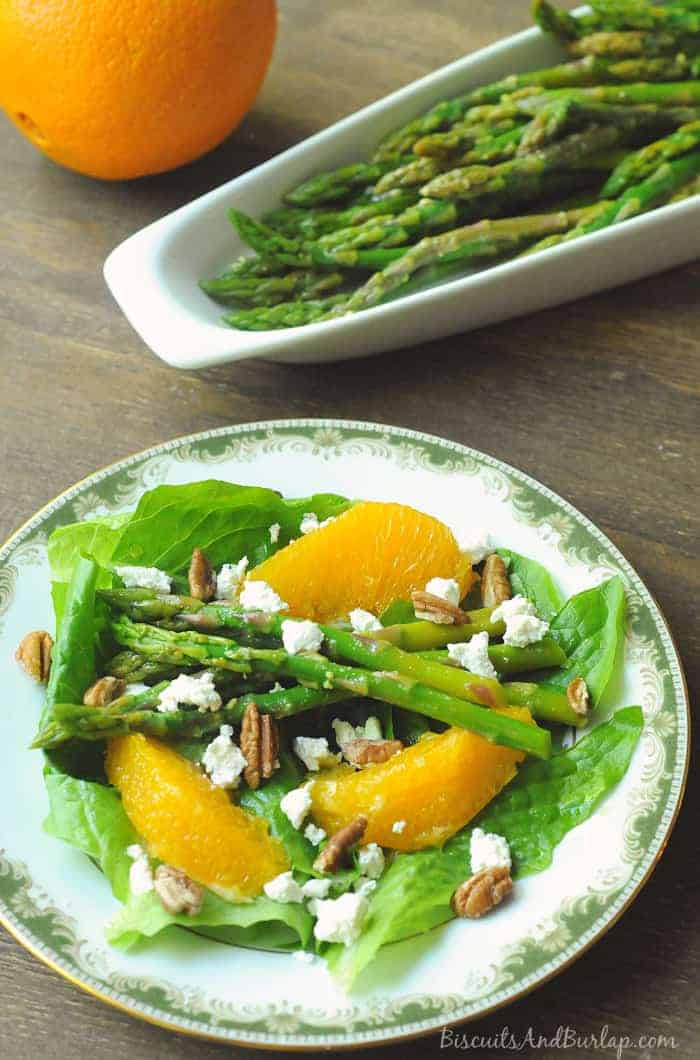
<point>422,795</point>
<point>367,557</point>
<point>188,823</point>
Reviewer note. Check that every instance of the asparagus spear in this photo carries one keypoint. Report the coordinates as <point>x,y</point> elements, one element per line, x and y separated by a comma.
<point>556,23</point>
<point>87,723</point>
<point>686,191</point>
<point>463,136</point>
<point>668,94</point>
<point>512,660</point>
<point>424,636</point>
<point>338,183</point>
<point>302,283</point>
<point>656,189</point>
<point>317,223</point>
<point>564,114</point>
<point>284,315</point>
<point>641,164</point>
<point>322,673</point>
<point>678,17</point>
<point>630,43</point>
<point>394,231</point>
<point>411,175</point>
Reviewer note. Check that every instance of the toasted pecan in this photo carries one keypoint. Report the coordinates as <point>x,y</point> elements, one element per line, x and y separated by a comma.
<point>34,654</point>
<point>259,744</point>
<point>201,577</point>
<point>578,696</point>
<point>104,691</point>
<point>363,752</point>
<point>331,857</point>
<point>435,609</point>
<point>177,892</point>
<point>495,583</point>
<point>482,891</point>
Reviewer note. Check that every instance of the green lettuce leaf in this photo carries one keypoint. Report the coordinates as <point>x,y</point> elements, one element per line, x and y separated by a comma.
<point>265,802</point>
<point>543,802</point>
<point>96,537</point>
<point>531,579</point>
<point>227,521</point>
<point>591,628</point>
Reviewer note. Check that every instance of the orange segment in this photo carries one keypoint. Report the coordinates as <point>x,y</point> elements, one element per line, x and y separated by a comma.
<point>187,822</point>
<point>367,557</point>
<point>436,787</point>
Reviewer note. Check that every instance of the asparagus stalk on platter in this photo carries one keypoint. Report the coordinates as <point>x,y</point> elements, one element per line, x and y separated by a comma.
<point>462,137</point>
<point>631,43</point>
<point>283,315</point>
<point>660,94</point>
<point>322,673</point>
<point>338,183</point>
<point>563,115</point>
<point>251,291</point>
<point>641,164</point>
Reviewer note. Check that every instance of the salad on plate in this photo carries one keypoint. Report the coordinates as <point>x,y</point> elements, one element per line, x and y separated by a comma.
<point>317,725</point>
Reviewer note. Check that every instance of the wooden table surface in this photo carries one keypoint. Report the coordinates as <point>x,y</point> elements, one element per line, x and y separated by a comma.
<point>598,399</point>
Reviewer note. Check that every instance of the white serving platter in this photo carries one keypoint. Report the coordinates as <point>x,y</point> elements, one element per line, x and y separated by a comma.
<point>154,274</point>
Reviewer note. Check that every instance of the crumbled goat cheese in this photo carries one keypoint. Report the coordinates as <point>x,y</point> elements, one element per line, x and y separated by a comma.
<point>398,827</point>
<point>314,752</point>
<point>364,621</point>
<point>277,687</point>
<point>259,596</point>
<point>523,625</point>
<point>476,540</point>
<point>230,578</point>
<point>309,522</point>
<point>144,578</point>
<point>223,760</point>
<point>304,957</point>
<point>136,688</point>
<point>339,919</point>
<point>274,532</point>
<point>283,888</point>
<point>196,690</point>
<point>445,588</point>
<point>301,636</point>
<point>314,834</point>
<point>488,851</point>
<point>140,875</point>
<point>345,733</point>
<point>315,888</point>
<point>370,860</point>
<point>296,804</point>
<point>473,655</point>
<point>364,886</point>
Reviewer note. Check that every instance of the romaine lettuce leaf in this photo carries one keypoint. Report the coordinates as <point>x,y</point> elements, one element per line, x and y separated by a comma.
<point>96,537</point>
<point>265,802</point>
<point>590,628</point>
<point>531,579</point>
<point>534,812</point>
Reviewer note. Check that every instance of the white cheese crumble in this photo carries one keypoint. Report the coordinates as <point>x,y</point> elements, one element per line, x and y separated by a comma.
<point>370,860</point>
<point>473,655</point>
<point>398,827</point>
<point>223,760</point>
<point>230,578</point>
<point>339,919</point>
<point>314,834</point>
<point>316,888</point>
<point>296,804</point>
<point>136,688</point>
<point>488,851</point>
<point>283,888</point>
<point>303,635</point>
<point>476,540</point>
<point>523,625</point>
<point>259,596</point>
<point>277,687</point>
<point>274,532</point>
<point>364,886</point>
<point>314,752</point>
<point>196,690</point>
<point>304,957</point>
<point>445,588</point>
<point>140,875</point>
<point>345,733</point>
<point>309,522</point>
<point>364,621</point>
<point>144,578</point>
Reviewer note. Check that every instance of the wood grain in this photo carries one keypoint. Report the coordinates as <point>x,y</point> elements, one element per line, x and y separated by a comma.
<point>598,399</point>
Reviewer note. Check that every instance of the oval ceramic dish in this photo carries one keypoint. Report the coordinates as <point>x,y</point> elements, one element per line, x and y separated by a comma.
<point>56,902</point>
<point>154,274</point>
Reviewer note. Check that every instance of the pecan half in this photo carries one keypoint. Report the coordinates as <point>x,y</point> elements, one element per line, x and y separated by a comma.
<point>177,892</point>
<point>578,696</point>
<point>363,752</point>
<point>434,609</point>
<point>482,891</point>
<point>201,577</point>
<point>495,583</point>
<point>331,857</point>
<point>104,691</point>
<point>34,654</point>
<point>259,744</point>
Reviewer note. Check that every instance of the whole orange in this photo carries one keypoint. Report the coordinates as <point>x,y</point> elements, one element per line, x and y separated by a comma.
<point>123,88</point>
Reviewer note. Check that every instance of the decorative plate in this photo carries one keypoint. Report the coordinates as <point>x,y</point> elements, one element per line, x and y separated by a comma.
<point>55,902</point>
